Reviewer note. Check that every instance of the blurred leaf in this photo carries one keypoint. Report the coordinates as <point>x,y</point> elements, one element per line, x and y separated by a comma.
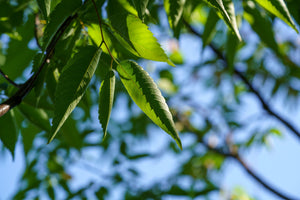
<point>209,27</point>
<point>9,132</point>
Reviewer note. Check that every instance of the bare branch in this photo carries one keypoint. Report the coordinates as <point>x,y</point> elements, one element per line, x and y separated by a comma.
<point>8,79</point>
<point>263,102</point>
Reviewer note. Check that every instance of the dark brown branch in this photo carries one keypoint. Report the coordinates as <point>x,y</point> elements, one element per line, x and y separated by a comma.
<point>17,98</point>
<point>250,172</point>
<point>8,79</point>
<point>235,156</point>
<point>263,102</point>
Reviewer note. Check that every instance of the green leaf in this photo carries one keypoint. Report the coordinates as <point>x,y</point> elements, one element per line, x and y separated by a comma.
<point>174,9</point>
<point>140,6</point>
<point>261,25</point>
<point>36,116</point>
<point>8,133</point>
<point>209,27</point>
<point>61,12</point>
<point>147,96</point>
<point>225,9</point>
<point>72,85</point>
<point>135,33</point>
<point>107,91</point>
<point>231,49</point>
<point>279,9</point>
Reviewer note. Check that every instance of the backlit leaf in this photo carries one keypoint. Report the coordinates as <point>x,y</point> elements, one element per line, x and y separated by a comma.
<point>135,33</point>
<point>107,91</point>
<point>72,85</point>
<point>147,96</point>
<point>209,27</point>
<point>279,9</point>
<point>225,9</point>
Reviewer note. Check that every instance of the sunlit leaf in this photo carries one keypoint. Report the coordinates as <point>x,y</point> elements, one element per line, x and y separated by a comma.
<point>279,9</point>
<point>72,85</point>
<point>135,33</point>
<point>147,96</point>
<point>107,91</point>
<point>225,9</point>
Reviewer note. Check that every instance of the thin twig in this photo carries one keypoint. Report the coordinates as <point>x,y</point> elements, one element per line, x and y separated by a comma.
<point>17,98</point>
<point>9,80</point>
<point>265,105</point>
<point>101,31</point>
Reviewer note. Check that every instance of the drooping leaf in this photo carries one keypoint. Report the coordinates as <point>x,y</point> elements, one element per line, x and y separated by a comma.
<point>72,85</point>
<point>229,7</point>
<point>61,12</point>
<point>8,133</point>
<point>279,9</point>
<point>226,13</point>
<point>135,33</point>
<point>106,96</point>
<point>36,116</point>
<point>261,25</point>
<point>147,96</point>
<point>174,9</point>
<point>209,27</point>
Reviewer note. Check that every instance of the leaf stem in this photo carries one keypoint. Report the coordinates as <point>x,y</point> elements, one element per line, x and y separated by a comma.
<point>101,31</point>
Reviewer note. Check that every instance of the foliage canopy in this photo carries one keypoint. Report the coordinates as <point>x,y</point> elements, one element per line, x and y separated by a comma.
<point>61,60</point>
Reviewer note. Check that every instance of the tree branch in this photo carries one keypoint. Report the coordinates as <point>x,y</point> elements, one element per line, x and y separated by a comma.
<point>263,102</point>
<point>17,98</point>
<point>8,79</point>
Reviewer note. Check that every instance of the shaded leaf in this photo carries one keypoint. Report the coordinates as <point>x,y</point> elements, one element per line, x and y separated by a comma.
<point>209,27</point>
<point>72,85</point>
<point>107,91</point>
<point>174,9</point>
<point>36,116</point>
<point>61,12</point>
<point>147,96</point>
<point>261,25</point>
<point>8,133</point>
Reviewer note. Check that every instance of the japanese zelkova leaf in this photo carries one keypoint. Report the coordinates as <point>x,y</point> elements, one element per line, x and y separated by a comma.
<point>174,9</point>
<point>279,9</point>
<point>226,13</point>
<point>147,96</point>
<point>61,12</point>
<point>36,116</point>
<point>209,28</point>
<point>135,33</point>
<point>107,90</point>
<point>72,84</point>
<point>8,131</point>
